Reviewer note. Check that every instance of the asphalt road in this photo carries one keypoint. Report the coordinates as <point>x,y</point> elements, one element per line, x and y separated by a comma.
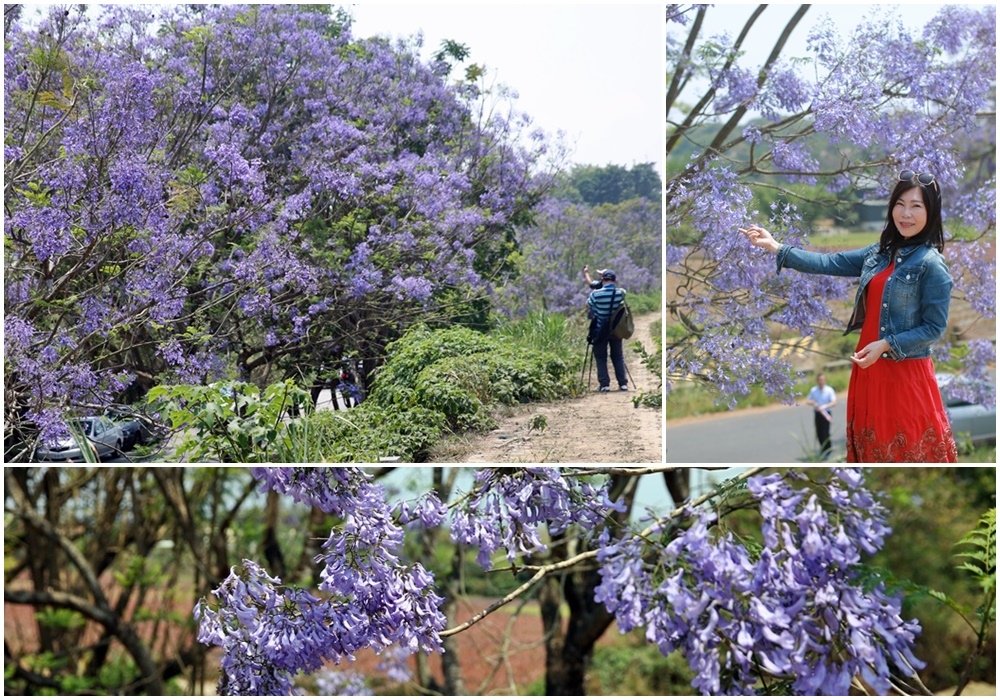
<point>783,434</point>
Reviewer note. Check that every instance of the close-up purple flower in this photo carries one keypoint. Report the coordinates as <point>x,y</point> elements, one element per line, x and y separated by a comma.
<point>794,609</point>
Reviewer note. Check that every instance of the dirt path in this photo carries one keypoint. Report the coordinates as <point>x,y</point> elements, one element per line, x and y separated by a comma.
<point>594,428</point>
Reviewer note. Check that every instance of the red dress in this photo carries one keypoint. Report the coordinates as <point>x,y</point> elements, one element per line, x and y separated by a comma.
<point>894,409</point>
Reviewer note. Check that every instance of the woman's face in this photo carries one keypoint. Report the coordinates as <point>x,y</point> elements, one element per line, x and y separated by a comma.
<point>910,213</point>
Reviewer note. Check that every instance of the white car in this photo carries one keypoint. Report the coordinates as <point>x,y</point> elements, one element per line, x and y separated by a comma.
<point>105,438</point>
<point>969,421</point>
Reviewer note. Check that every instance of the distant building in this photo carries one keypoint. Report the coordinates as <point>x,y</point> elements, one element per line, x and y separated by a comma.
<point>871,214</point>
<point>872,205</point>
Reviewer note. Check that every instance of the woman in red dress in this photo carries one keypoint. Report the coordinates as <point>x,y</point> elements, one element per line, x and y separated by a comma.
<point>894,407</point>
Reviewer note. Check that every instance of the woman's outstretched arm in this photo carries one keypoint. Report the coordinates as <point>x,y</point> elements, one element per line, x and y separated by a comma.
<point>847,264</point>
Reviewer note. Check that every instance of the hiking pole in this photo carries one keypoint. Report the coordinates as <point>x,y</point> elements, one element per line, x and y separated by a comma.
<point>590,368</point>
<point>583,367</point>
<point>629,375</point>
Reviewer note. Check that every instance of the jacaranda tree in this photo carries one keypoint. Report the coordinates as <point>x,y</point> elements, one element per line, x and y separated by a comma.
<point>848,117</point>
<point>194,188</point>
<point>791,606</point>
<point>625,237</point>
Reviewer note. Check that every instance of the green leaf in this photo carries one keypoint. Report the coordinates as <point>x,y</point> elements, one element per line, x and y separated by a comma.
<point>62,618</point>
<point>973,568</point>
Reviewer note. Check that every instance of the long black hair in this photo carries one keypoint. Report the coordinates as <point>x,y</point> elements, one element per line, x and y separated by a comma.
<point>933,232</point>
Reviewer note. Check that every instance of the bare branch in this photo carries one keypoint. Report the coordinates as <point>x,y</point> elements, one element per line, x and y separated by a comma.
<point>542,571</point>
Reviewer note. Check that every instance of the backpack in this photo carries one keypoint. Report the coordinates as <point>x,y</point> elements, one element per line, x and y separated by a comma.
<point>622,323</point>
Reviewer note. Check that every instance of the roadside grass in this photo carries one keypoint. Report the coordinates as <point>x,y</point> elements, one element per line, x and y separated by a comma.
<point>540,332</point>
<point>849,240</point>
<point>976,454</point>
<point>645,303</point>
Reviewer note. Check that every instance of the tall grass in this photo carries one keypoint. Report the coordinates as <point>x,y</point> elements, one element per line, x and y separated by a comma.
<point>645,303</point>
<point>542,332</point>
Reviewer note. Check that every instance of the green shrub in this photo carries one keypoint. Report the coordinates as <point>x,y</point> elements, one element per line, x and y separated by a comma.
<point>447,379</point>
<point>464,375</point>
<point>234,421</point>
<point>635,667</point>
<point>369,432</point>
<point>419,348</point>
<point>645,303</point>
<point>458,388</point>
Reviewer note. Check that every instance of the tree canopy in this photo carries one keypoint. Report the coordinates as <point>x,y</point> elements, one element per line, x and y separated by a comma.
<point>196,190</point>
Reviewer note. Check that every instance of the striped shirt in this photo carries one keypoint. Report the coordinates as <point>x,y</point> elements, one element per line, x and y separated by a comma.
<point>600,301</point>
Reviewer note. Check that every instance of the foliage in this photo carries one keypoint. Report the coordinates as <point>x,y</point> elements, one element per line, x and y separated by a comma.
<point>932,509</point>
<point>233,421</point>
<point>538,331</point>
<point>632,667</point>
<point>462,373</point>
<point>914,101</point>
<point>594,185</point>
<point>198,186</point>
<point>653,361</point>
<point>109,561</point>
<point>371,432</point>
<point>442,380</point>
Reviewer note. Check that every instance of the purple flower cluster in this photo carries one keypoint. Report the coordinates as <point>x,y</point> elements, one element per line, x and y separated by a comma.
<point>625,237</point>
<point>426,511</point>
<point>330,682</point>
<point>508,506</point>
<point>793,608</point>
<point>229,180</point>
<point>373,600</point>
<point>266,632</point>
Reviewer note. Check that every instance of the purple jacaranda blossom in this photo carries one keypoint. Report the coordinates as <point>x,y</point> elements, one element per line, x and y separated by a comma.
<point>791,607</point>
<point>331,681</point>
<point>268,631</point>
<point>427,511</point>
<point>624,237</point>
<point>508,506</point>
<point>214,178</point>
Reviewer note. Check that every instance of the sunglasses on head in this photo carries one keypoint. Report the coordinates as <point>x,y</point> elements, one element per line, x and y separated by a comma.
<point>922,178</point>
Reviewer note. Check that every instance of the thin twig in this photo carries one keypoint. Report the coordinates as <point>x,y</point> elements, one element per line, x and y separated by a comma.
<point>544,571</point>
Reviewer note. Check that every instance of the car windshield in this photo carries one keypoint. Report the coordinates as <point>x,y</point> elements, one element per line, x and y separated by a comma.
<point>955,403</point>
<point>87,426</point>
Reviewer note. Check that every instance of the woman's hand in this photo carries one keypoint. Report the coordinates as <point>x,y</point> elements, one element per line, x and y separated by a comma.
<point>870,354</point>
<point>761,238</point>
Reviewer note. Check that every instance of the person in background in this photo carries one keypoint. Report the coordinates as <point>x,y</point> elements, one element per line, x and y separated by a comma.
<point>822,398</point>
<point>591,282</point>
<point>601,305</point>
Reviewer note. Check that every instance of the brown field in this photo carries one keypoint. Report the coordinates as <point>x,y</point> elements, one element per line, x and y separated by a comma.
<point>501,655</point>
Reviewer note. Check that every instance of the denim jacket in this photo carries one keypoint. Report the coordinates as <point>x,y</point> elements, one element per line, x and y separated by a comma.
<point>915,301</point>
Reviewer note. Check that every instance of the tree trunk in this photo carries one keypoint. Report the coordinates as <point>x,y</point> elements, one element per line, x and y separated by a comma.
<point>568,652</point>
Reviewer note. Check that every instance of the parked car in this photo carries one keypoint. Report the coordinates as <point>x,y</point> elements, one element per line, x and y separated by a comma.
<point>136,428</point>
<point>104,436</point>
<point>969,421</point>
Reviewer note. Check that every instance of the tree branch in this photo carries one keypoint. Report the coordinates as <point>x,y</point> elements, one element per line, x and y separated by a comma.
<point>150,680</point>
<point>542,571</point>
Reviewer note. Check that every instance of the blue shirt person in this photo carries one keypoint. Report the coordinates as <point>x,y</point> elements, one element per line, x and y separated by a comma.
<point>601,305</point>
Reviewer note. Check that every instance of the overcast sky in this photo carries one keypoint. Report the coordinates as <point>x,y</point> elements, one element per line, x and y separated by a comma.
<point>594,72</point>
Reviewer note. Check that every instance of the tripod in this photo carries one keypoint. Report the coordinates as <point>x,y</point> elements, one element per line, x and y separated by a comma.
<point>589,350</point>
